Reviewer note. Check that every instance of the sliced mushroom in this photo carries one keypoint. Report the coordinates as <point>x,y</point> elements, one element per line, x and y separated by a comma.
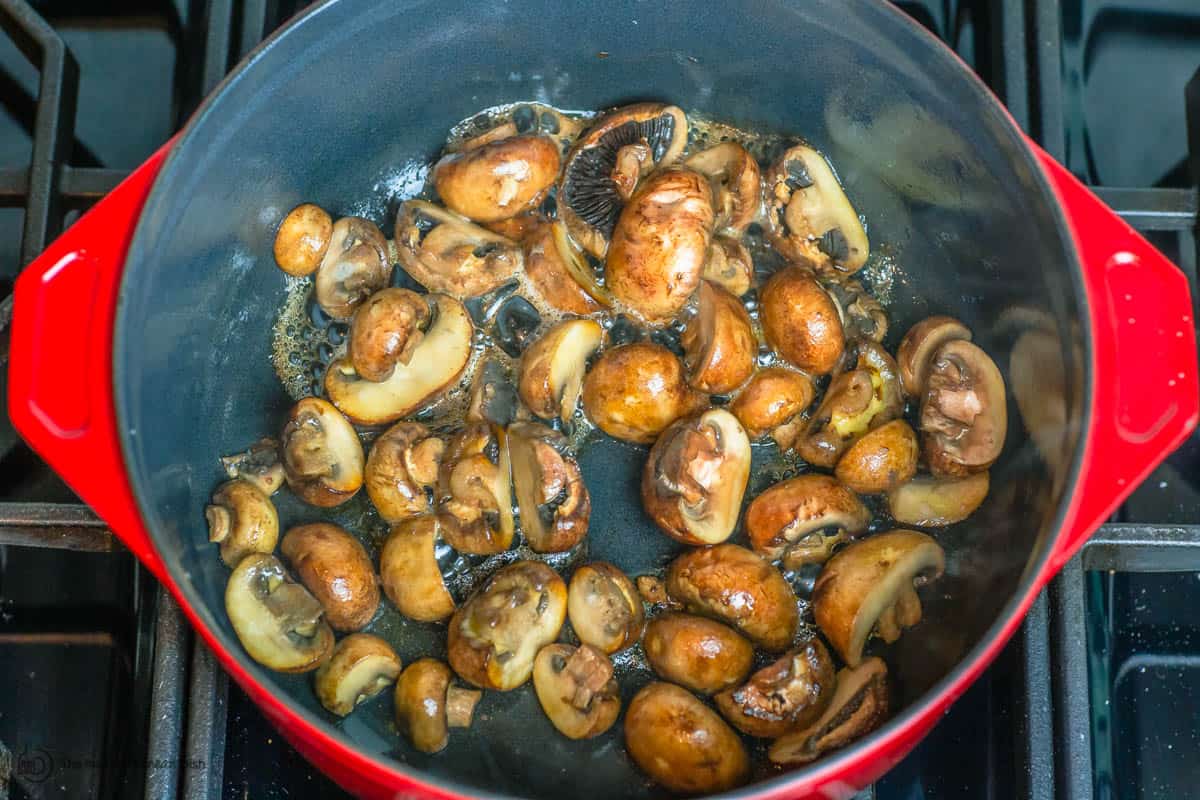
<point>302,239</point>
<point>862,315</point>
<point>800,321</point>
<point>918,346</point>
<point>729,264</point>
<point>869,588</point>
<point>428,704</point>
<point>518,228</point>
<point>335,567</point>
<point>360,668</point>
<point>278,622</point>
<point>259,464</point>
<point>718,343</point>
<point>633,392</point>
<point>355,266</point>
<point>695,477</point>
<point>576,689</point>
<point>859,706</point>
<point>737,189</point>
<point>409,570</point>
<point>604,608</point>
<point>881,460</point>
<point>447,253</point>
<point>552,368</point>
<point>803,518</point>
<point>774,398</point>
<point>558,270</point>
<point>787,694</point>
<point>385,331</point>
<point>856,402</point>
<point>497,180</point>
<point>964,414</point>
<point>436,363</point>
<point>402,470</point>
<point>241,519</point>
<point>660,244</point>
<point>603,160</point>
<point>474,492</point>
<point>682,743</point>
<point>554,503</point>
<point>494,397</point>
<point>934,502</point>
<point>808,215</point>
<point>322,456</point>
<point>736,586</point>
<point>495,636</point>
<point>697,653</point>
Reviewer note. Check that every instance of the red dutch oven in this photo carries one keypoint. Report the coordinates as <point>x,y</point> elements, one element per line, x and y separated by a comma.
<point>141,338</point>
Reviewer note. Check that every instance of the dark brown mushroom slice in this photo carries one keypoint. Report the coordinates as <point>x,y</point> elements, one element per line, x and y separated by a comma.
<point>931,502</point>
<point>354,267</point>
<point>275,618</point>
<point>576,688</point>
<point>302,239</point>
<point>787,694</point>
<point>474,491</point>
<point>385,332</point>
<point>718,342</point>
<point>859,705</point>
<point>554,503</point>
<point>497,180</point>
<point>964,414</point>
<point>241,520</point>
<point>808,514</point>
<point>409,571</point>
<point>604,607</point>
<point>335,568</point>
<point>774,398</point>
<point>801,322</point>
<point>883,459</point>
<point>322,456</point>
<point>361,667</point>
<point>447,253</point>
<point>603,159</point>
<point>559,272</point>
<point>918,347</point>
<point>869,589</point>
<point>552,368</point>
<point>402,469</point>
<point>259,464</point>
<point>729,265</point>
<point>737,184</point>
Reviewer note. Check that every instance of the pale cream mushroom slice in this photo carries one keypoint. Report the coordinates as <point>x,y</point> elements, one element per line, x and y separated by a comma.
<point>279,623</point>
<point>410,573</point>
<point>428,704</point>
<point>553,367</point>
<point>241,520</point>
<point>435,365</point>
<point>859,705</point>
<point>322,456</point>
<point>259,464</point>
<point>361,667</point>
<point>385,331</point>
<point>930,502</point>
<point>334,566</point>
<point>802,519</point>
<point>553,500</point>
<point>801,322</point>
<point>576,688</point>
<point>604,608</point>
<point>450,254</point>
<point>354,267</point>
<point>737,184</point>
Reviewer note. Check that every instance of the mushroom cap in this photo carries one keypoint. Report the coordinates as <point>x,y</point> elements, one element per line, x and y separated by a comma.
<point>729,265</point>
<point>718,342</point>
<point>859,705</point>
<point>402,468</point>
<point>493,638</point>
<point>695,477</point>
<point>278,622</point>
<point>964,415</point>
<point>918,346</point>
<point>787,694</point>
<point>881,460</point>
<point>799,507</point>
<point>575,688</point>
<point>556,267</point>
<point>553,500</point>
<point>736,586</point>
<point>360,668</point>
<point>355,266</point>
<point>772,397</point>
<point>697,653</point>
<point>322,456</point>
<point>498,180</point>
<point>302,239</point>
<point>242,520</point>
<point>933,502</point>
<point>552,368</point>
<point>660,244</point>
<point>737,184</point>
<point>604,607</point>
<point>866,580</point>
<point>409,570</point>
<point>385,331</point>
<point>335,567</point>
<point>800,321</point>
<point>589,201</point>
<point>437,362</point>
<point>633,392</point>
<point>420,704</point>
<point>447,253</point>
<point>682,743</point>
<point>474,491</point>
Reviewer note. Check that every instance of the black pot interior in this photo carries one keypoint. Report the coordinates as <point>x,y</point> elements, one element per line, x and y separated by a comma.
<point>332,111</point>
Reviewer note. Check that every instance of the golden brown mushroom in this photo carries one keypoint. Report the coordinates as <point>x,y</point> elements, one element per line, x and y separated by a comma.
<point>241,519</point>
<point>772,402</point>
<point>604,608</point>
<point>964,414</point>
<point>696,652</point>
<point>497,180</point>
<point>801,322</point>
<point>302,239</point>
<point>409,570</point>
<point>354,267</point>
<point>428,705</point>
<point>737,187</point>
<point>633,392</point>
<point>279,623</point>
<point>360,668</point>
<point>881,460</point>
<point>447,253</point>
<point>552,368</point>
<point>576,689</point>
<point>918,346</point>
<point>554,503</point>
<point>803,518</point>
<point>333,565</point>
<point>718,342</point>
<point>402,469</point>
<point>859,705</point>
<point>787,694</point>
<point>474,492</point>
<point>557,269</point>
<point>322,456</point>
<point>933,502</point>
<point>385,331</point>
<point>729,265</point>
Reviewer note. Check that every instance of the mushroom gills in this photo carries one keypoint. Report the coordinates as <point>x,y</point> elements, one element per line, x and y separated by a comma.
<point>361,667</point>
<point>859,705</point>
<point>553,368</point>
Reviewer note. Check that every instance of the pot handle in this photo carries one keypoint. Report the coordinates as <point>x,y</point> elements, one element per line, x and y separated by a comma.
<point>60,374</point>
<point>1146,400</point>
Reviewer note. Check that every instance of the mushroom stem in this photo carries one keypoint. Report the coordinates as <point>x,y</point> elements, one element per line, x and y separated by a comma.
<point>908,607</point>
<point>460,706</point>
<point>219,523</point>
<point>589,672</point>
<point>628,168</point>
<point>887,627</point>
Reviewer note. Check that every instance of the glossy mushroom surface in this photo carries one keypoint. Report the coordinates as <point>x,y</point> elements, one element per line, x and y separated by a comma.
<point>930,502</point>
<point>736,184</point>
<point>556,267</point>
<point>964,414</point>
<point>859,705</point>
<point>275,618</point>
<point>773,398</point>
<point>718,342</point>
<point>804,518</point>
<point>409,570</point>
<point>354,267</point>
<point>553,367</point>
<point>498,180</point>
<point>241,520</point>
<point>385,331</point>
<point>881,460</point>
<point>604,608</point>
<point>402,469</point>
<point>302,239</point>
<point>698,653</point>
<point>474,492</point>
<point>576,688</point>
<point>361,667</point>
<point>789,693</point>
<point>428,705</point>
<point>633,392</point>
<point>554,503</point>
<point>335,568</point>
<point>800,321</point>
<point>448,253</point>
<point>322,456</point>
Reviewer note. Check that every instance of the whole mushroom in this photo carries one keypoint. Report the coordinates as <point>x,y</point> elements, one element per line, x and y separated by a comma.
<point>736,182</point>
<point>354,267</point>
<point>241,519</point>
<point>800,321</point>
<point>302,239</point>
<point>322,456</point>
<point>802,519</point>
<point>259,464</point>
<point>409,571</point>
<point>633,392</point>
<point>696,652</point>
<point>385,332</point>
<point>474,492</point>
<point>787,694</point>
<point>333,565</point>
<point>553,501</point>
<point>498,180</point>
<point>964,414</point>
<point>576,688</point>
<point>859,705</point>
<point>718,342</point>
<point>447,253</point>
<point>360,668</point>
<point>402,469</point>
<point>279,623</point>
<point>881,460</point>
<point>428,704</point>
<point>604,608</point>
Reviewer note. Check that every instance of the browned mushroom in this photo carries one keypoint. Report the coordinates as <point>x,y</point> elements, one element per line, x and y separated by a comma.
<point>881,460</point>
<point>808,215</point>
<point>737,189</point>
<point>682,743</point>
<point>918,346</point>
<point>803,518</point>
<point>787,694</point>
<point>654,591</point>
<point>360,668</point>
<point>448,253</point>
<point>497,180</point>
<point>695,477</point>
<point>576,688</point>
<point>697,653</point>
<point>729,264</point>
<point>259,464</point>
<point>474,492</point>
<point>518,228</point>
<point>302,239</point>
<point>718,342</point>
<point>862,315</point>
<point>859,705</point>
<point>402,469</point>
<point>772,402</point>
<point>409,570</point>
<point>241,519</point>
<point>933,502</point>
<point>633,392</point>
<point>736,586</point>
<point>279,623</point>
<point>335,567</point>
<point>322,457</point>
<point>604,608</point>
<point>964,414</point>
<point>428,705</point>
<point>660,244</point>
<point>495,636</point>
<point>385,331</point>
<point>494,397</point>
<point>557,269</point>
<point>552,368</point>
<point>800,321</point>
<point>354,267</point>
<point>553,501</point>
<point>869,588</point>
